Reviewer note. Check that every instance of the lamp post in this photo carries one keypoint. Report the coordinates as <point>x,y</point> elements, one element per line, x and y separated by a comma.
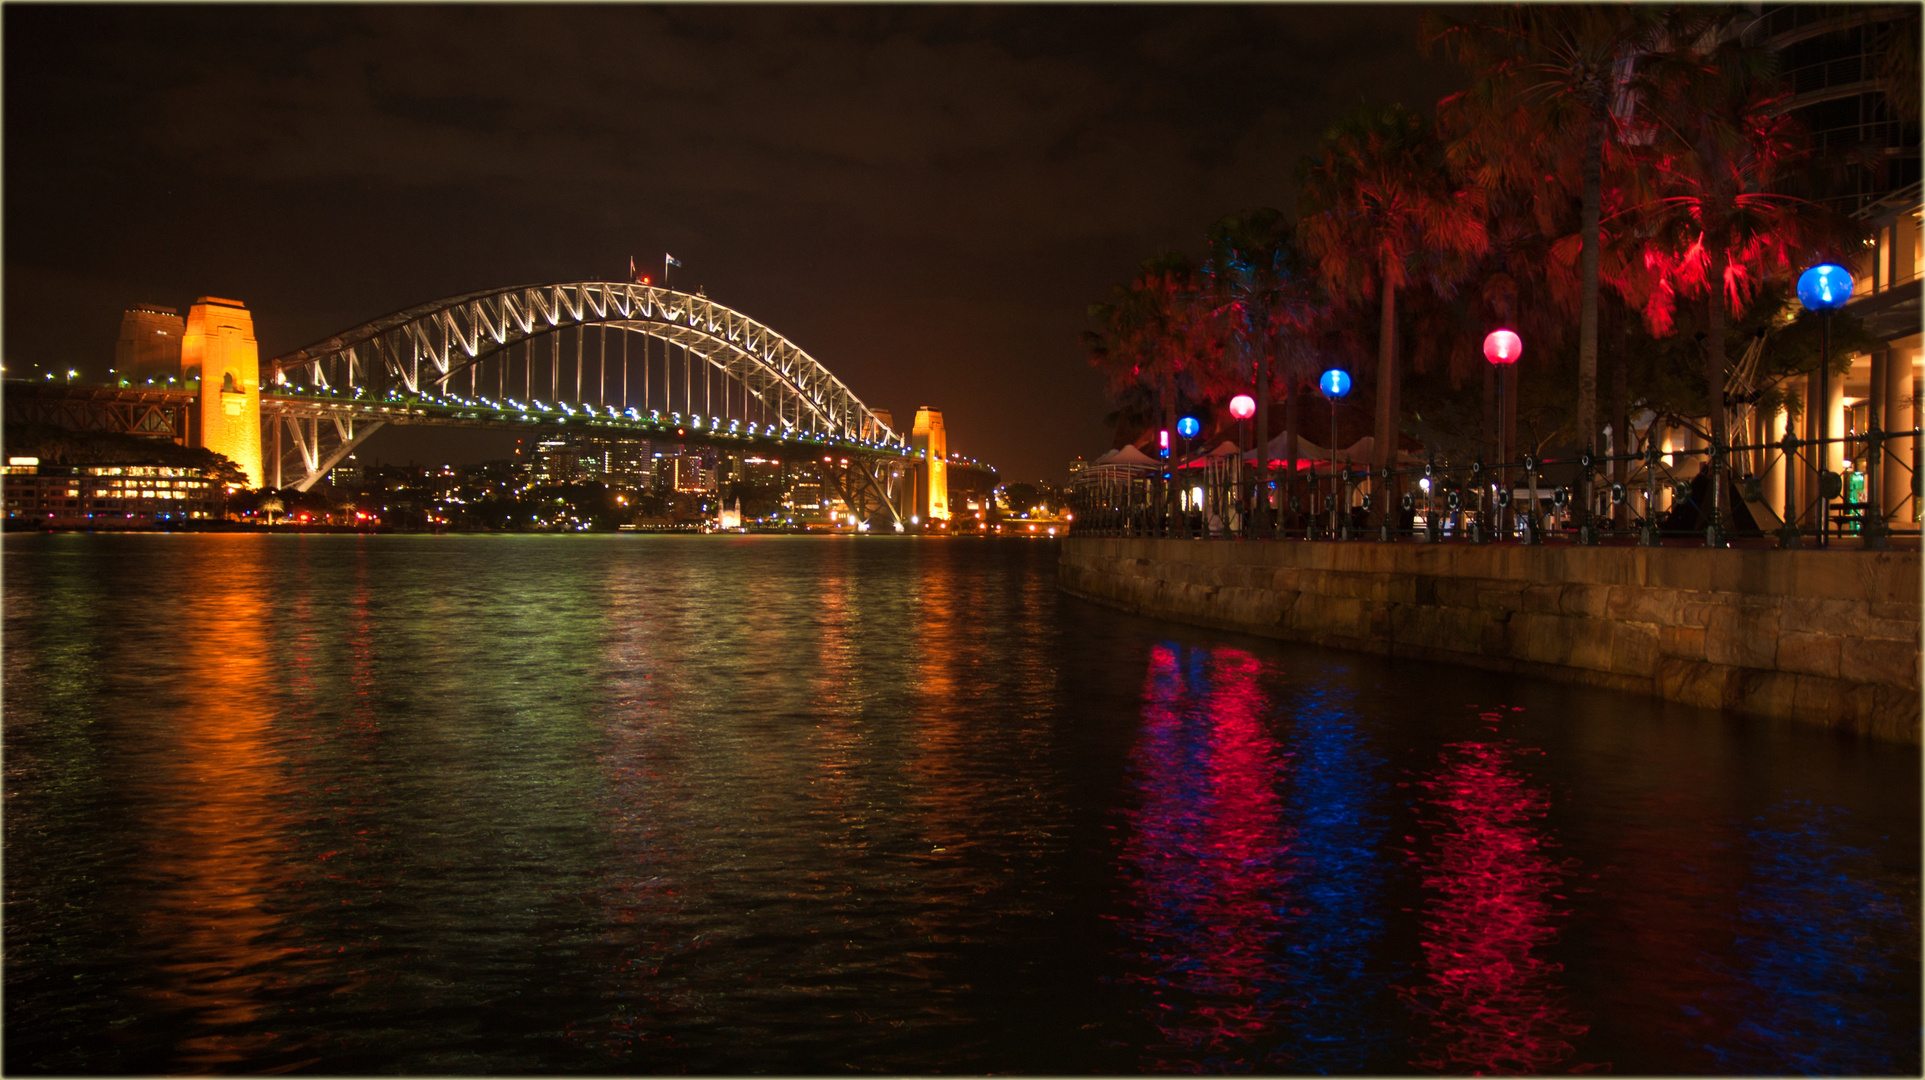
<point>1824,288</point>
<point>1187,428</point>
<point>1502,348</point>
<point>1164,513</point>
<point>1243,407</point>
<point>1334,383</point>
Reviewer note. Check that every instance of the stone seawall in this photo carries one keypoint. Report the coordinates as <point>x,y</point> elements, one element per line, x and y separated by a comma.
<point>1827,637</point>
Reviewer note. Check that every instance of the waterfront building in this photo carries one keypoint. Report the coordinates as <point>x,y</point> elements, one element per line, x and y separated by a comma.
<point>1838,63</point>
<point>127,495</point>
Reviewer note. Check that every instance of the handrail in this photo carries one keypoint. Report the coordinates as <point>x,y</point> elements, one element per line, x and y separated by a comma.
<point>1689,495</point>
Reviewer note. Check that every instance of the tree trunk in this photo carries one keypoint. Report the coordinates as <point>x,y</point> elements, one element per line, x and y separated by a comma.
<point>1621,419</point>
<point>1587,425</point>
<point>1382,454</point>
<point>1714,371</point>
<point>1257,506</point>
<point>1293,397</point>
<point>1714,346</point>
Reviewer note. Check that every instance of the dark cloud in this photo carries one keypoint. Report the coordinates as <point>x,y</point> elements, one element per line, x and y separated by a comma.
<point>925,198</point>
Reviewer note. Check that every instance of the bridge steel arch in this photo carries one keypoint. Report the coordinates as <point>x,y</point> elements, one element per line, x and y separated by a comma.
<point>425,346</point>
<point>332,395</point>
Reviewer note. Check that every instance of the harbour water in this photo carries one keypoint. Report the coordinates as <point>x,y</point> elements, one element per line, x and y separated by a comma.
<point>600,804</point>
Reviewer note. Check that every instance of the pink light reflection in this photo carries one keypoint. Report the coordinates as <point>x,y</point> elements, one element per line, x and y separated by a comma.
<point>1490,995</point>
<point>1205,860</point>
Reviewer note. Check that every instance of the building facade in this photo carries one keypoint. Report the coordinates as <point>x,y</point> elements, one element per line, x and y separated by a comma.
<point>105,496</point>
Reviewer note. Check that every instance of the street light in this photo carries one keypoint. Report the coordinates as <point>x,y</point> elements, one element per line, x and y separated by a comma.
<point>1334,383</point>
<point>1502,348</point>
<point>1187,428</point>
<point>1242,407</point>
<point>1824,288</point>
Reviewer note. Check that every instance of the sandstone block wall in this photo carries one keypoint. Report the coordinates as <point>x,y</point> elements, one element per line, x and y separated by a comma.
<point>1827,637</point>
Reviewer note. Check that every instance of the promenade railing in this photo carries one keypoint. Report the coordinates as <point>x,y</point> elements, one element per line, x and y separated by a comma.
<point>1863,492</point>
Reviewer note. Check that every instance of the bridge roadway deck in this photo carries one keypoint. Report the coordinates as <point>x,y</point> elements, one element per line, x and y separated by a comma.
<point>786,444</point>
<point>606,421</point>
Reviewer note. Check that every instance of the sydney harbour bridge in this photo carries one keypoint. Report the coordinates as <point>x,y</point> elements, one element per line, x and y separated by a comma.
<point>614,360</point>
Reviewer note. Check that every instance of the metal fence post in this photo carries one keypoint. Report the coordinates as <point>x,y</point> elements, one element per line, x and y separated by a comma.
<point>1648,536</point>
<point>1871,529</point>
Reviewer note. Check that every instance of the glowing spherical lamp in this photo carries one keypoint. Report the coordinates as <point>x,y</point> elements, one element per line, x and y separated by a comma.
<point>1503,347</point>
<point>1334,383</point>
<point>1824,287</point>
<point>1188,427</point>
<point>1243,406</point>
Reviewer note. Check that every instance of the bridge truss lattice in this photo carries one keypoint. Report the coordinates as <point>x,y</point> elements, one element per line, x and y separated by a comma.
<point>457,343</point>
<point>614,349</point>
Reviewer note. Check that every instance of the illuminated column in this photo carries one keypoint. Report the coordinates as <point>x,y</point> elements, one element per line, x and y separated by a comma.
<point>1835,407</point>
<point>1774,478</point>
<point>928,437</point>
<point>1895,486</point>
<point>218,348</point>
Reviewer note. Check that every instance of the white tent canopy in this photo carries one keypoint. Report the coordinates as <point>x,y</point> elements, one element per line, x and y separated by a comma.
<point>1126,454</point>
<point>1356,455</point>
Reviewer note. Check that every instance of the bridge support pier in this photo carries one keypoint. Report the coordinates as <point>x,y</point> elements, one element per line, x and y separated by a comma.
<point>218,348</point>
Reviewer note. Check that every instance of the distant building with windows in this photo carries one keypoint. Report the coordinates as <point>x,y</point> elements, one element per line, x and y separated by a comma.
<point>105,496</point>
<point>692,474</point>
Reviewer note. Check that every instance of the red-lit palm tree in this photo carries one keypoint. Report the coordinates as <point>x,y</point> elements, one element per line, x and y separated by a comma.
<point>1379,213</point>
<point>1726,217</point>
<point>1562,85</point>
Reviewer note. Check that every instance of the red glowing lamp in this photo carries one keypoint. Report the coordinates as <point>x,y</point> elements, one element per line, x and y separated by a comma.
<point>1243,407</point>
<point>1503,347</point>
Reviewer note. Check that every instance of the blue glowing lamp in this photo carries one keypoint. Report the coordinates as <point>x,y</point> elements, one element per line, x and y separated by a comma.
<point>1334,383</point>
<point>1188,427</point>
<point>1824,287</point>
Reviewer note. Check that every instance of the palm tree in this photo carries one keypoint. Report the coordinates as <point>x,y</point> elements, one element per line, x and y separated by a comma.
<point>1378,213</point>
<point>1726,220</point>
<point>1563,83</point>
<point>1150,332</point>
<point>1258,290</point>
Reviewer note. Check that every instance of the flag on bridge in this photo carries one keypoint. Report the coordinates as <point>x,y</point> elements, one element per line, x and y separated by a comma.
<point>672,260</point>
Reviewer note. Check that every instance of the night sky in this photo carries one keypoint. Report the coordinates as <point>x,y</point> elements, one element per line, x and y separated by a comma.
<point>926,199</point>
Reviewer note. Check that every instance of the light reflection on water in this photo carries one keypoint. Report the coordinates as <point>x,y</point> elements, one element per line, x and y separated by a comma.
<point>625,804</point>
<point>1208,859</point>
<point>214,863</point>
<point>1491,995</point>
